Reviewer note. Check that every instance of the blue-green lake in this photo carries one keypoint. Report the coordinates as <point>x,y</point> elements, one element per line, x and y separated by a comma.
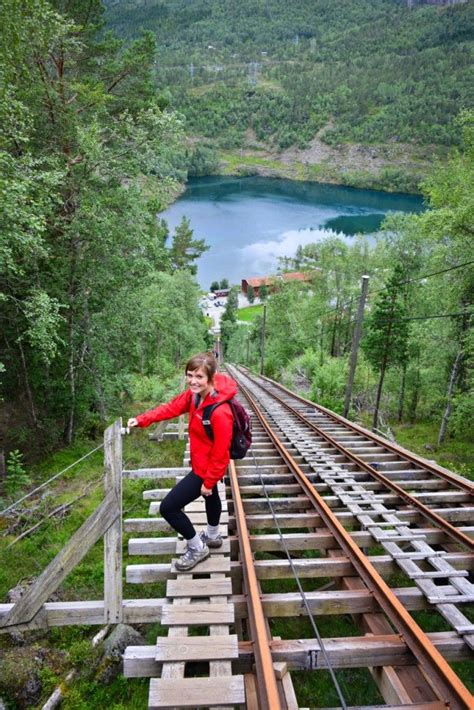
<point>250,222</point>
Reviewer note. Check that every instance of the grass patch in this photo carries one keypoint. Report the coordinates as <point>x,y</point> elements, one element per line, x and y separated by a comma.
<point>29,557</point>
<point>315,689</point>
<point>421,438</point>
<point>250,313</point>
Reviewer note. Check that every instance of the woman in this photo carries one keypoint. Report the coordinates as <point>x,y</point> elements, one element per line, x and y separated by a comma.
<point>209,459</point>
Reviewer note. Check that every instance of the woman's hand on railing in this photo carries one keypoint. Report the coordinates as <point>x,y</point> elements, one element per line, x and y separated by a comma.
<point>132,422</point>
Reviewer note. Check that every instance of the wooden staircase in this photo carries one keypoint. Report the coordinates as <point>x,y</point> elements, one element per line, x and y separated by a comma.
<point>197,607</point>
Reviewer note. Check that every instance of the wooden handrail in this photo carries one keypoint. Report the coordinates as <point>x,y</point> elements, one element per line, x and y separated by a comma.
<point>105,521</point>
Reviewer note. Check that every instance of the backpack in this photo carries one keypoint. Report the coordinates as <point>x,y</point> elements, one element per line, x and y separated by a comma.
<point>242,431</point>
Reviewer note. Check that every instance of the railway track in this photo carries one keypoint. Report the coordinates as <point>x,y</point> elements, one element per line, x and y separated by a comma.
<point>342,525</point>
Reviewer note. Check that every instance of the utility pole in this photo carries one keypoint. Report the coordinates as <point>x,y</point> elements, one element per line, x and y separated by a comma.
<point>355,343</point>
<point>262,342</point>
<point>252,77</point>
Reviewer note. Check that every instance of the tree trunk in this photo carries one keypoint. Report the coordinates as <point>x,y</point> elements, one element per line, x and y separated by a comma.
<point>383,367</point>
<point>333,338</point>
<point>449,397</point>
<point>69,433</point>
<point>415,397</point>
<point>375,420</point>
<point>29,393</point>
<point>321,346</point>
<point>3,468</point>
<point>349,330</point>
<point>401,396</point>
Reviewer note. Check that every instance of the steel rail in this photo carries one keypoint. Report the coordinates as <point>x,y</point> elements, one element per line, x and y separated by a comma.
<point>269,698</point>
<point>438,520</point>
<point>439,675</point>
<point>433,468</point>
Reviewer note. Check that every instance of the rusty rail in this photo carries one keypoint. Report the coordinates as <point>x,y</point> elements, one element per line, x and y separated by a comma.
<point>438,520</point>
<point>433,468</point>
<point>267,689</point>
<point>437,672</point>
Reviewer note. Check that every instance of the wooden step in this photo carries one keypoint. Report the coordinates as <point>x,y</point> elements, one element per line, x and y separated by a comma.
<point>199,614</point>
<point>138,574</point>
<point>193,588</point>
<point>166,546</point>
<point>160,525</point>
<point>196,692</point>
<point>160,493</point>
<point>196,648</point>
<point>154,473</point>
<point>195,507</point>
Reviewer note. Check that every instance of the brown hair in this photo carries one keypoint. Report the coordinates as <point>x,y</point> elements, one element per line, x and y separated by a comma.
<point>205,360</point>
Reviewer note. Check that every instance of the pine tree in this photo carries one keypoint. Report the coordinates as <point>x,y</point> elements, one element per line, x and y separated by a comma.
<point>185,250</point>
<point>386,341</point>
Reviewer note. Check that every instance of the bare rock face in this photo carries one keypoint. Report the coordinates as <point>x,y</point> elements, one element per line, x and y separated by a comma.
<point>114,646</point>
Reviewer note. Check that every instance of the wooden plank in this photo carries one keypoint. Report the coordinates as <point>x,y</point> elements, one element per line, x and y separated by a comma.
<point>195,507</point>
<point>195,648</point>
<point>165,546</point>
<point>175,670</point>
<point>306,654</point>
<point>288,691</point>
<point>135,611</point>
<point>198,587</point>
<point>155,473</point>
<point>196,692</point>
<point>251,697</point>
<point>200,614</point>
<point>325,541</point>
<point>137,574</point>
<point>113,587</point>
<point>160,525</point>
<point>220,667</point>
<point>313,520</point>
<point>71,554</point>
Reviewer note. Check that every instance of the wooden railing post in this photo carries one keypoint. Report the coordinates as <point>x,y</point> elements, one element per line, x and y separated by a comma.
<point>113,593</point>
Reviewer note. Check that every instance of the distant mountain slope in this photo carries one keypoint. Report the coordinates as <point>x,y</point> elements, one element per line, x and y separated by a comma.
<point>362,71</point>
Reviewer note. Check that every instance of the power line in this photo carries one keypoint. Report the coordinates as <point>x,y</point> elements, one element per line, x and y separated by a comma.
<point>339,308</point>
<point>438,315</point>
<point>427,276</point>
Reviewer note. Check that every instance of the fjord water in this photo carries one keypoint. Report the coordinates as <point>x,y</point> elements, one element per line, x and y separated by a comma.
<point>249,222</point>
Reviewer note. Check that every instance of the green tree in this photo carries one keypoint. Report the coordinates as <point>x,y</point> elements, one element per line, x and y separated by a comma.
<point>263,292</point>
<point>250,293</point>
<point>386,340</point>
<point>214,286</point>
<point>80,127</point>
<point>185,250</point>
<point>224,284</point>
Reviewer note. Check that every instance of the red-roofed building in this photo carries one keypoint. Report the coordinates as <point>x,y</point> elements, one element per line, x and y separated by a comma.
<point>272,282</point>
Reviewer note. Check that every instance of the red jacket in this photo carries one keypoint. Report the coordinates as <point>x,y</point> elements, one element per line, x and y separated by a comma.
<point>209,459</point>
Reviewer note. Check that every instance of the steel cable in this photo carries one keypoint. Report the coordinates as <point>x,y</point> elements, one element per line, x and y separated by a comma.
<point>43,485</point>
<point>301,590</point>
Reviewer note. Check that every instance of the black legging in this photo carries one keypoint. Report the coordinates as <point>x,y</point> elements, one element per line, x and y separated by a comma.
<point>184,492</point>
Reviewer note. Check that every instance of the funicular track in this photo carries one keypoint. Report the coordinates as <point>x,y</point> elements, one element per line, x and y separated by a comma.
<point>308,518</point>
<point>425,555</point>
<point>315,518</point>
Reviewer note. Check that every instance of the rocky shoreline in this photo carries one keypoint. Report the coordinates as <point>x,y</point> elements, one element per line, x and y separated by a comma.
<point>392,167</point>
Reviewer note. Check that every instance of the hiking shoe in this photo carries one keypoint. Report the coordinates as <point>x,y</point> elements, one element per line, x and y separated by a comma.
<point>211,541</point>
<point>191,558</point>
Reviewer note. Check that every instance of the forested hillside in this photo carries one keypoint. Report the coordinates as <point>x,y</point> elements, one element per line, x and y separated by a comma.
<point>88,157</point>
<point>275,75</point>
<point>415,363</point>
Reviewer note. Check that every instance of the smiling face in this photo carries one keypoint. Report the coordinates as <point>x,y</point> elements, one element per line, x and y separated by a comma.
<point>198,382</point>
